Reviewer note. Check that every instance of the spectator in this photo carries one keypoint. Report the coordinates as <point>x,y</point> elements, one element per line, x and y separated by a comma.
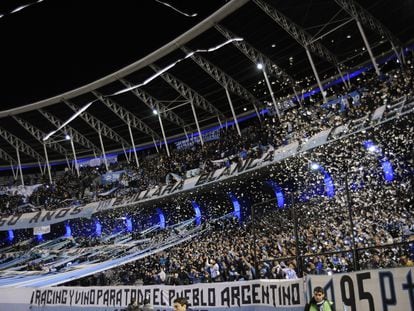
<point>133,305</point>
<point>180,304</point>
<point>318,302</point>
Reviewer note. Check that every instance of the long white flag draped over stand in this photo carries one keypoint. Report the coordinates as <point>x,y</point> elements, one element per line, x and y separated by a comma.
<point>18,9</point>
<point>157,74</point>
<point>177,10</point>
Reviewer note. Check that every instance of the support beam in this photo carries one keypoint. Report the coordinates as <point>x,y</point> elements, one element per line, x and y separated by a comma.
<point>47,163</point>
<point>19,163</point>
<point>368,47</point>
<point>125,115</point>
<point>152,103</point>
<point>196,121</point>
<point>362,15</point>
<point>315,72</point>
<point>74,157</point>
<point>188,93</point>
<point>98,125</point>
<point>19,144</point>
<point>232,111</point>
<point>299,34</point>
<point>257,57</point>
<point>39,135</point>
<point>74,134</point>
<point>133,144</point>
<point>103,151</point>
<point>155,145</point>
<point>5,156</point>
<point>269,87</point>
<point>223,79</point>
<point>163,132</point>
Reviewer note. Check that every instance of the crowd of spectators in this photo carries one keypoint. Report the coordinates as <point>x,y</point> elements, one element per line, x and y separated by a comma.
<point>309,236</point>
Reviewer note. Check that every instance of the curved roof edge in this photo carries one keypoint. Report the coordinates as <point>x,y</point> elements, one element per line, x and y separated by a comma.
<point>204,25</point>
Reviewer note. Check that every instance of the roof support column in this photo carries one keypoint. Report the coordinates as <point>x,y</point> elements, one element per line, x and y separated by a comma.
<point>47,164</point>
<point>155,144</point>
<point>68,164</point>
<point>20,165</point>
<point>257,113</point>
<point>347,85</point>
<point>103,150</point>
<point>271,91</point>
<point>371,55</point>
<point>42,170</point>
<point>403,56</point>
<point>232,111</point>
<point>219,121</point>
<point>74,156</point>
<point>315,72</point>
<point>133,143</point>
<point>399,57</point>
<point>196,121</point>
<point>127,157</point>
<point>163,132</point>
<point>14,173</point>
<point>297,96</point>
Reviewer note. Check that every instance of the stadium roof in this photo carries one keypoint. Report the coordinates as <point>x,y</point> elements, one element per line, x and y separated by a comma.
<point>58,56</point>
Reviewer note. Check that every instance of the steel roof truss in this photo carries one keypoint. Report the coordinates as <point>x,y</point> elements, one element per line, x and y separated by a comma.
<point>20,145</point>
<point>126,116</point>
<point>74,134</point>
<point>98,125</point>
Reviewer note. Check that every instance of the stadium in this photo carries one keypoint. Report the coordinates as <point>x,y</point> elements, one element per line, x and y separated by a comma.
<point>238,154</point>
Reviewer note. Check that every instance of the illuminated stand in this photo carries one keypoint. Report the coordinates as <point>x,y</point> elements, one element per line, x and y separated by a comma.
<point>68,230</point>
<point>278,193</point>
<point>10,236</point>
<point>98,228</point>
<point>236,205</point>
<point>128,224</point>
<point>385,163</point>
<point>328,182</point>
<point>161,217</point>
<point>39,237</point>
<point>197,212</point>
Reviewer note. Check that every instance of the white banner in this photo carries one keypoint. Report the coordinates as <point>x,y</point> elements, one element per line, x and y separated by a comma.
<point>44,218</point>
<point>371,290</point>
<point>282,295</point>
